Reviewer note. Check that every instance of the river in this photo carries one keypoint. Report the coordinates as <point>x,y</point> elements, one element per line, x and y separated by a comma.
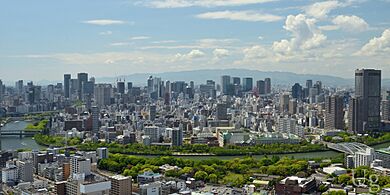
<point>15,142</point>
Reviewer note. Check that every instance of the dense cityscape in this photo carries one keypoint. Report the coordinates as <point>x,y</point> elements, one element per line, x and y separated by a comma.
<point>232,136</point>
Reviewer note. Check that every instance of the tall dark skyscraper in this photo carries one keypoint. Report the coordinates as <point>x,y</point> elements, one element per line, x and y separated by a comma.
<point>260,84</point>
<point>82,78</point>
<point>120,87</point>
<point>309,84</point>
<point>225,83</point>
<point>67,78</point>
<point>365,106</point>
<point>334,113</point>
<point>247,84</point>
<point>267,85</point>
<point>296,91</point>
<point>236,80</point>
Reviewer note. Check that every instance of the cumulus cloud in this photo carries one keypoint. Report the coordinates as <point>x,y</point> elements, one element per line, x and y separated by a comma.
<point>220,53</point>
<point>104,22</point>
<point>255,52</point>
<point>305,35</point>
<point>193,54</point>
<point>322,9</point>
<point>199,3</point>
<point>247,15</point>
<point>377,45</point>
<point>350,23</point>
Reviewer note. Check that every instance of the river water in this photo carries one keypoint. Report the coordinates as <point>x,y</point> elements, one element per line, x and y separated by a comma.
<point>15,142</point>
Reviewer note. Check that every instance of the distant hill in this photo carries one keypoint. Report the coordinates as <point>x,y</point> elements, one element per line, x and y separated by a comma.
<point>200,76</point>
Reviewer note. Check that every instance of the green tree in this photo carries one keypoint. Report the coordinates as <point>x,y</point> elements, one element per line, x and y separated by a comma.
<point>213,178</point>
<point>200,175</point>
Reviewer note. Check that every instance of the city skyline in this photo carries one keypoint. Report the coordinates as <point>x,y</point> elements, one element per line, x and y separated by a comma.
<point>124,37</point>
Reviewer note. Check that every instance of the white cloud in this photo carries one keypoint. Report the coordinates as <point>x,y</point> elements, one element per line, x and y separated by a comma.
<point>199,3</point>
<point>377,45</point>
<point>329,27</point>
<point>106,33</point>
<point>321,9</point>
<point>220,53</point>
<point>305,35</point>
<point>104,22</point>
<point>140,38</point>
<point>255,52</point>
<point>248,15</point>
<point>350,23</point>
<point>193,54</point>
<point>120,44</point>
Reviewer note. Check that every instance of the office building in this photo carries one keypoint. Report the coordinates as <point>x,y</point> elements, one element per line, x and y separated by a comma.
<point>120,185</point>
<point>292,106</point>
<point>80,165</point>
<point>153,132</point>
<point>296,91</point>
<point>385,107</point>
<point>284,102</point>
<point>334,112</point>
<point>267,82</point>
<point>103,94</point>
<point>25,171</point>
<point>82,78</point>
<point>67,78</point>
<point>294,185</point>
<point>177,136</point>
<point>247,84</point>
<point>151,189</point>
<point>95,119</point>
<point>236,80</point>
<point>225,84</point>
<point>365,106</point>
<point>120,87</point>
<point>221,111</point>
<point>102,153</point>
<point>260,84</point>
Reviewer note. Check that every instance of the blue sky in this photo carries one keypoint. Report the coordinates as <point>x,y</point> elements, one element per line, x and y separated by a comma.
<point>44,39</point>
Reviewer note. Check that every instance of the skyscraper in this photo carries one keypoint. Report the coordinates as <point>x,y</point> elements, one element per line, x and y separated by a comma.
<point>1,90</point>
<point>177,136</point>
<point>296,91</point>
<point>365,106</point>
<point>267,85</point>
<point>221,111</point>
<point>283,102</point>
<point>236,80</point>
<point>386,107</point>
<point>247,84</point>
<point>260,84</point>
<point>309,84</point>
<point>334,114</point>
<point>225,83</point>
<point>152,112</point>
<point>120,87</point>
<point>82,78</point>
<point>95,119</point>
<point>67,78</point>
<point>103,94</point>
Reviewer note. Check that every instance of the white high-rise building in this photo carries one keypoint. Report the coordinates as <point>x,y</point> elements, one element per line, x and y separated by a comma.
<point>80,165</point>
<point>102,152</point>
<point>153,132</point>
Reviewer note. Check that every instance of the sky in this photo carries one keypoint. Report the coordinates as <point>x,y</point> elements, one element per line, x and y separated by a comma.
<point>43,39</point>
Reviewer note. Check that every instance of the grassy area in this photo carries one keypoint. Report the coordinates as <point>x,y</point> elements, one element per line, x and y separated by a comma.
<point>39,126</point>
<point>58,141</point>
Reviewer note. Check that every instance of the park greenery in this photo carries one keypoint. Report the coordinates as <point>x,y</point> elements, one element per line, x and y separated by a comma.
<point>362,172</point>
<point>372,139</point>
<point>57,141</point>
<point>38,126</point>
<point>204,149</point>
<point>235,172</point>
